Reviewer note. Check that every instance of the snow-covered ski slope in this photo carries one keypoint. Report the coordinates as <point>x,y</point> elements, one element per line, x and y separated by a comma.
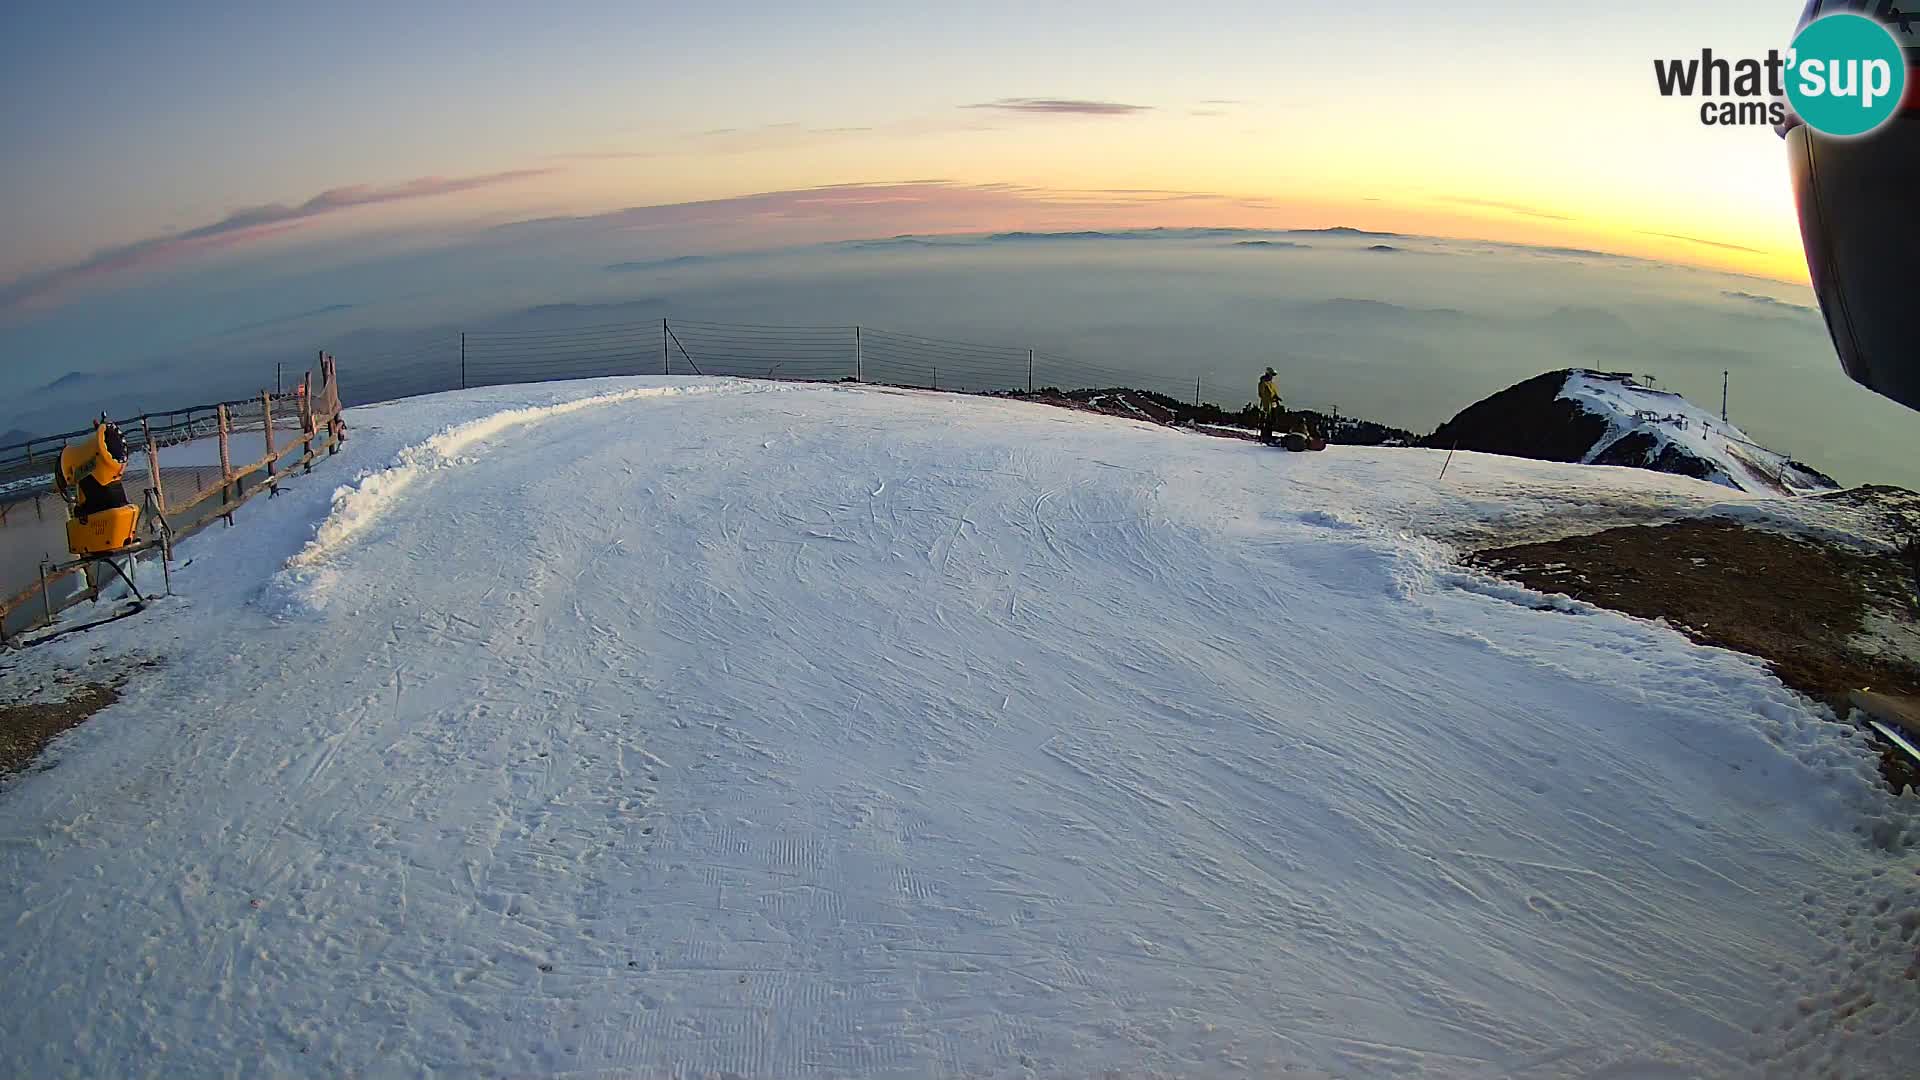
<point>1671,421</point>
<point>717,728</point>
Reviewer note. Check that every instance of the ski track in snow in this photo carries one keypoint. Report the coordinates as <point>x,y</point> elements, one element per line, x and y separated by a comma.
<point>684,727</point>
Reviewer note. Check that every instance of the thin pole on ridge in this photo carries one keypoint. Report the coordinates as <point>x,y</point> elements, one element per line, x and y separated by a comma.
<point>1029,371</point>
<point>666,363</point>
<point>463,360</point>
<point>856,353</point>
<point>688,357</point>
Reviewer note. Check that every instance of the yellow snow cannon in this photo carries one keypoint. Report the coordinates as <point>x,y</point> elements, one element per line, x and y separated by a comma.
<point>90,479</point>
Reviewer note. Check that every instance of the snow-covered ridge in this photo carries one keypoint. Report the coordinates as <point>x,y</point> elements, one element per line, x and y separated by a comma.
<point>1657,429</point>
<point>1601,418</point>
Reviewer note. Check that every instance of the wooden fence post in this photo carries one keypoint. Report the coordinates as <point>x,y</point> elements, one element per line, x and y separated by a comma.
<point>266,417</point>
<point>153,465</point>
<point>336,427</point>
<point>226,458</point>
<point>306,421</point>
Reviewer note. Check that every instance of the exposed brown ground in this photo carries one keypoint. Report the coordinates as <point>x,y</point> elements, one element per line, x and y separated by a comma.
<point>26,729</point>
<point>1828,620</point>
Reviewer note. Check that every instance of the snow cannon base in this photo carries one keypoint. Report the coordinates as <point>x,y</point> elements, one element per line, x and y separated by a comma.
<point>103,531</point>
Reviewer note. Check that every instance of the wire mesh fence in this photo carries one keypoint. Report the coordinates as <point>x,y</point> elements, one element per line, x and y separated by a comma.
<point>671,346</point>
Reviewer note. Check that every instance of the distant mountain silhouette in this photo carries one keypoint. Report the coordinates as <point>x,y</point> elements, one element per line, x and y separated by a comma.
<point>656,264</point>
<point>69,380</point>
<point>1344,230</point>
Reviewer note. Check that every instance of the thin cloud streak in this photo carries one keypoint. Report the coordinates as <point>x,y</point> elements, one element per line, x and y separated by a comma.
<point>1028,106</point>
<point>249,223</point>
<point>1511,208</point>
<point>1704,243</point>
<point>604,155</point>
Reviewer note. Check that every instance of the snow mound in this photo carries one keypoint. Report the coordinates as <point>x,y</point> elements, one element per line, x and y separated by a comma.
<point>361,503</point>
<point>1660,430</point>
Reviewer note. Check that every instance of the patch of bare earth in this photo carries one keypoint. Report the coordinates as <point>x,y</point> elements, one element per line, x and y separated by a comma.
<point>1827,619</point>
<point>27,728</point>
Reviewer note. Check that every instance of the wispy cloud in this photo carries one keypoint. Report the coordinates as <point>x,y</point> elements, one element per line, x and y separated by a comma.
<point>1704,243</point>
<point>250,223</point>
<point>1511,208</point>
<point>786,135</point>
<point>1768,301</point>
<point>921,207</point>
<point>1029,106</point>
<point>604,155</point>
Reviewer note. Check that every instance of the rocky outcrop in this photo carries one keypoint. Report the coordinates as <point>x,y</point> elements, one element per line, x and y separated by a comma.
<point>1528,419</point>
<point>1609,418</point>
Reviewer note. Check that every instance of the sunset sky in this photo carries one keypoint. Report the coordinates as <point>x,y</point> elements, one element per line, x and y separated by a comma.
<point>141,138</point>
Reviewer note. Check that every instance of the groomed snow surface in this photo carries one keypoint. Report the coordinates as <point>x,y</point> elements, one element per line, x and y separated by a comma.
<point>679,727</point>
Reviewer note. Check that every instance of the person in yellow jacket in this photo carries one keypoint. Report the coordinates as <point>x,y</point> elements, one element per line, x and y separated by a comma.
<point>1269,406</point>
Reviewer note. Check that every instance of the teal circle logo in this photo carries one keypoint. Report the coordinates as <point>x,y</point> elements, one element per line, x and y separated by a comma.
<point>1846,75</point>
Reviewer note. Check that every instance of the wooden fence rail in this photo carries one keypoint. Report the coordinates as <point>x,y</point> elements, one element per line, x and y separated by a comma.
<point>322,432</point>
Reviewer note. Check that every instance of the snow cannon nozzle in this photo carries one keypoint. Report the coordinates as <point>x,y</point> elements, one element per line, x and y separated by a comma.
<point>90,476</point>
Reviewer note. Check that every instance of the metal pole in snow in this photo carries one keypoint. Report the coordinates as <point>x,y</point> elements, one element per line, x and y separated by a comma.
<point>1029,371</point>
<point>856,355</point>
<point>1196,391</point>
<point>1726,377</point>
<point>665,363</point>
<point>463,360</point>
